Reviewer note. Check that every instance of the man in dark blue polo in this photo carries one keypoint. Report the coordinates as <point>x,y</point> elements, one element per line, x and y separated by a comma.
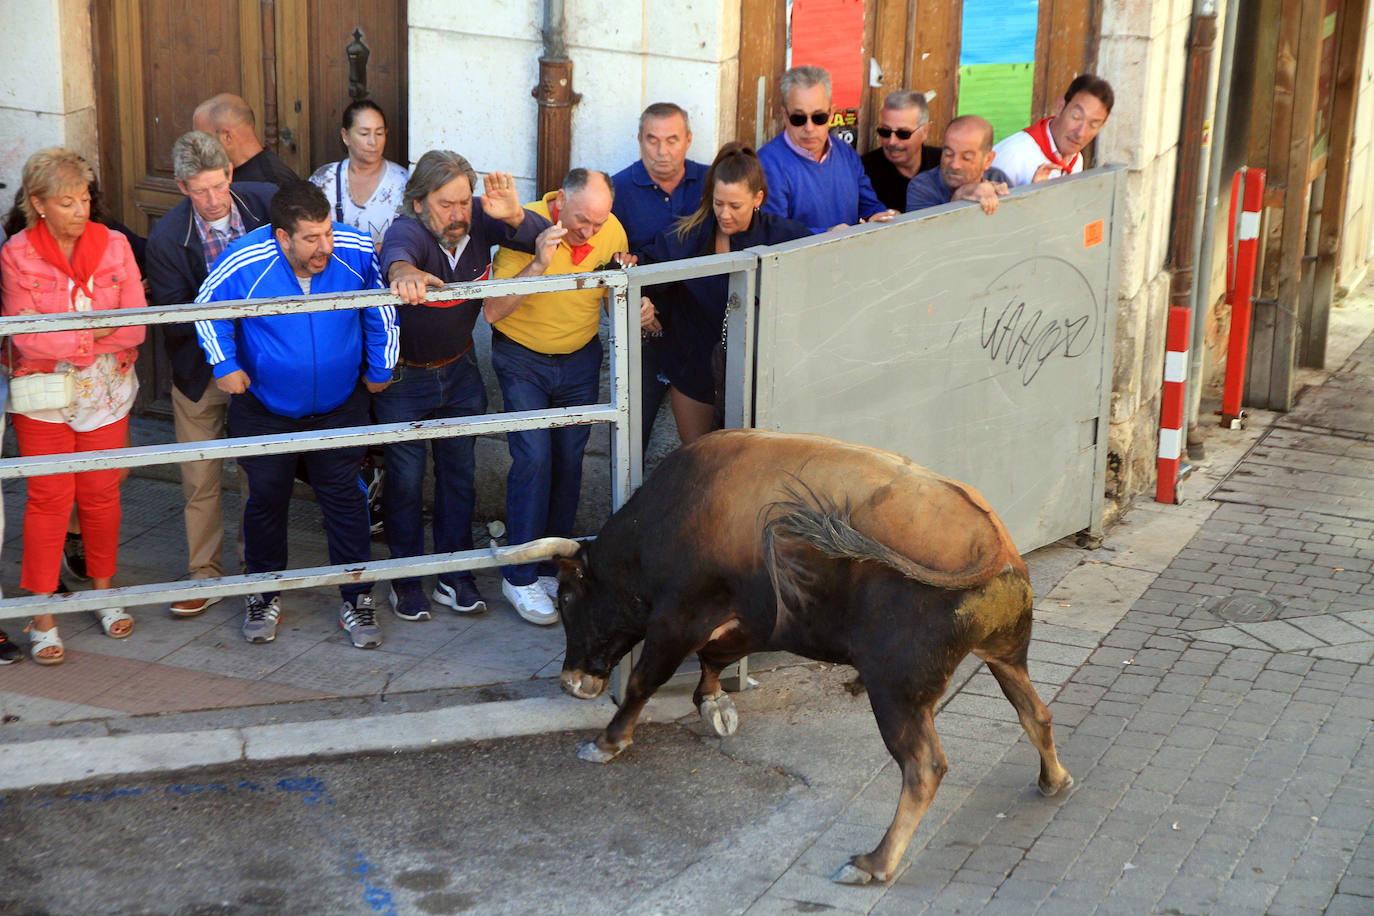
<point>965,172</point>
<point>440,237</point>
<point>650,195</point>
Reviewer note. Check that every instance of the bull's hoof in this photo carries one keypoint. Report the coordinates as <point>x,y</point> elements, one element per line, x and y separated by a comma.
<point>850,873</point>
<point>593,753</point>
<point>1049,790</point>
<point>719,714</point>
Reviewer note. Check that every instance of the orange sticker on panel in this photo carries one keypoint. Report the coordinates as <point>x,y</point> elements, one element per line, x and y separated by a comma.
<point>1092,234</point>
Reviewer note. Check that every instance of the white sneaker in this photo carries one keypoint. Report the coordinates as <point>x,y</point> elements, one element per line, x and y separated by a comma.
<point>530,602</point>
<point>550,586</point>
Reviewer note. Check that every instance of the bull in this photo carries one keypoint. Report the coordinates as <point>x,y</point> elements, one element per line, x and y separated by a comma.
<point>749,540</point>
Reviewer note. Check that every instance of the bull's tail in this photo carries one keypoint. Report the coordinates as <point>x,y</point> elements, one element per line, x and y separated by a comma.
<point>825,527</point>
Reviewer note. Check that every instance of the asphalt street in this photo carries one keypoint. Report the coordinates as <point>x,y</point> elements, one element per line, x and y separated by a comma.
<point>512,826</point>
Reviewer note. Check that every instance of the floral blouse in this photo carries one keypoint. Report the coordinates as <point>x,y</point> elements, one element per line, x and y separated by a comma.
<point>380,209</point>
<point>105,390</point>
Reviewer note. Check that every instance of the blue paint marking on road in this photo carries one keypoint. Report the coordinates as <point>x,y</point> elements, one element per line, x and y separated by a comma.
<point>313,792</point>
<point>314,789</point>
<point>375,896</point>
<point>99,796</point>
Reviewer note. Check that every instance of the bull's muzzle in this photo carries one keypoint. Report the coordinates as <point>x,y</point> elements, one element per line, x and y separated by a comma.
<point>581,685</point>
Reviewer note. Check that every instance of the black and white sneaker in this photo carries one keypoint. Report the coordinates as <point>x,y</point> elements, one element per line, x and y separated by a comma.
<point>463,597</point>
<point>359,618</point>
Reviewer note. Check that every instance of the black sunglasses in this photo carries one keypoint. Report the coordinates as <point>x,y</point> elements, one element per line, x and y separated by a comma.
<point>817,117</point>
<point>901,132</point>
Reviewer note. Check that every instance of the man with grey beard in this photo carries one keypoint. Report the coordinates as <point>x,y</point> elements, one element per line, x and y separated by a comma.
<point>441,237</point>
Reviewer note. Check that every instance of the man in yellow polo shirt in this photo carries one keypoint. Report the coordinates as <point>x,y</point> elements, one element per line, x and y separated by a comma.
<point>546,354</point>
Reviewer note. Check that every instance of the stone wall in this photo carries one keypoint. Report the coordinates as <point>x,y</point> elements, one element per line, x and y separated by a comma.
<point>1357,238</point>
<point>625,56</point>
<point>47,84</point>
<point>1143,53</point>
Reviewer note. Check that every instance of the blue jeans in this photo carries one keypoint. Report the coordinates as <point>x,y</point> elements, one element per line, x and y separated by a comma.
<point>454,390</point>
<point>545,478</point>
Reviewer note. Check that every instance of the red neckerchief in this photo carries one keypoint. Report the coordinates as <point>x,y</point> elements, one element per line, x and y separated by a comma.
<point>1040,133</point>
<point>579,252</point>
<point>90,248</point>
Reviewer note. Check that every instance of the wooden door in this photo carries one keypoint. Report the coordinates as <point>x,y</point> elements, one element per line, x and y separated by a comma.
<point>158,60</point>
<point>375,30</point>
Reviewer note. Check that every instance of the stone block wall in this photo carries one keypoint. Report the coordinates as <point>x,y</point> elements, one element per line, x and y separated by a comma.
<point>625,57</point>
<point>1143,53</point>
<point>1357,237</point>
<point>47,84</point>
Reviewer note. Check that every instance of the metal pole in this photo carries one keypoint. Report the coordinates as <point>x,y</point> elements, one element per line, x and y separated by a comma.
<point>1205,247</point>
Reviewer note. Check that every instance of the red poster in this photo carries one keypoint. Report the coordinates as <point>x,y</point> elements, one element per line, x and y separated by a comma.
<point>830,34</point>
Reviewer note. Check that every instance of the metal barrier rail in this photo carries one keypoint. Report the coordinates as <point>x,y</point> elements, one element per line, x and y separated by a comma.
<point>622,412</point>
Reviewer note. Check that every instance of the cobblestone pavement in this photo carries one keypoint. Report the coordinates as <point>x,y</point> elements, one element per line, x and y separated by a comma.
<point>1220,732</point>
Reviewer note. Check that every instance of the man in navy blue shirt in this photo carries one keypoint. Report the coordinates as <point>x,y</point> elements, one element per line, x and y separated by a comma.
<point>965,171</point>
<point>440,237</point>
<point>651,195</point>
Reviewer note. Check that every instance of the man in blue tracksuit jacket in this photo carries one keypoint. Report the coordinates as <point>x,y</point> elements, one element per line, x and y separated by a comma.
<point>299,373</point>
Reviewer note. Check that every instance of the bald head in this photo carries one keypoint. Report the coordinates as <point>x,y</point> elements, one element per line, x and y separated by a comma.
<point>976,128</point>
<point>584,204</point>
<point>967,151</point>
<point>229,119</point>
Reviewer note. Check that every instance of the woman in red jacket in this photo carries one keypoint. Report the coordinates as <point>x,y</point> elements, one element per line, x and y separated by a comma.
<point>63,262</point>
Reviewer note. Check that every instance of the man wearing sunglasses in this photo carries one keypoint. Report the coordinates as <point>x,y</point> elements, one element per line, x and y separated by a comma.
<point>814,178</point>
<point>901,153</point>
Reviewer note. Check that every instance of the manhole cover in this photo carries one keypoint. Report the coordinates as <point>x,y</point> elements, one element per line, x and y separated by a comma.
<point>1243,608</point>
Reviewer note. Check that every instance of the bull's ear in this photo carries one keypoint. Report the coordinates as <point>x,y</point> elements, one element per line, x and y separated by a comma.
<point>574,565</point>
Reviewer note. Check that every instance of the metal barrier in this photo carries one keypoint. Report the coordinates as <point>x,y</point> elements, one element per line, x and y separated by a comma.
<point>853,301</point>
<point>618,412</point>
<point>621,412</point>
<point>978,346</point>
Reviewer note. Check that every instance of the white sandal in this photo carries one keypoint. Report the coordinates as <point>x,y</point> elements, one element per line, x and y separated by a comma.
<point>45,639</point>
<point>109,616</point>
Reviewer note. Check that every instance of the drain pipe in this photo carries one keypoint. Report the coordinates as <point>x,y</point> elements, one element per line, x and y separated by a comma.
<point>556,99</point>
<point>1203,254</point>
<point>1188,194</point>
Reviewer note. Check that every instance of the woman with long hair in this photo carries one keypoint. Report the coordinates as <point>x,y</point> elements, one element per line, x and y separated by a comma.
<point>692,312</point>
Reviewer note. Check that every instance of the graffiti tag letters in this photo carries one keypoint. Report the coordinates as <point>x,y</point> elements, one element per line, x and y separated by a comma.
<point>1042,309</point>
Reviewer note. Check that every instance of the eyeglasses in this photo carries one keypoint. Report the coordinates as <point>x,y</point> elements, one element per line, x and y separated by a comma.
<point>901,132</point>
<point>817,117</point>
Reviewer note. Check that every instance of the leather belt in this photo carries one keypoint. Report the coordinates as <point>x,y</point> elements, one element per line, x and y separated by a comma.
<point>436,363</point>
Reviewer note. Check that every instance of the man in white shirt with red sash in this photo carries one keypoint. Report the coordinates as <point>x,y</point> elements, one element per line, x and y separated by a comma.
<point>1052,147</point>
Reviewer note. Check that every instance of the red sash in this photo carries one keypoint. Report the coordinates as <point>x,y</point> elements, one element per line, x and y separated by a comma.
<point>579,252</point>
<point>1040,133</point>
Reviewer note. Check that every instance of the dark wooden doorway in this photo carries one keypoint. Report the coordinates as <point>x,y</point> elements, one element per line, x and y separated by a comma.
<point>157,59</point>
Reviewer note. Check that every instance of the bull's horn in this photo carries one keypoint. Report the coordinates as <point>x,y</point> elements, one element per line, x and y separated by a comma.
<point>541,549</point>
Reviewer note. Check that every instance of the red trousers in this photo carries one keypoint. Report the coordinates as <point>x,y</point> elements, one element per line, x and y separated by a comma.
<point>50,498</point>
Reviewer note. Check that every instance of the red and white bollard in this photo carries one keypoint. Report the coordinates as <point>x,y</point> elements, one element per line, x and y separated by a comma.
<point>1172,402</point>
<point>1242,254</point>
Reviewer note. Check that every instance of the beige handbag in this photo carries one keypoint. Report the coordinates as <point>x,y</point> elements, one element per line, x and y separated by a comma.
<point>40,391</point>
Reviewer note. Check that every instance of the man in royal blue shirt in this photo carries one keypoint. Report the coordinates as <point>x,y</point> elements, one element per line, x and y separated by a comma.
<point>965,172</point>
<point>651,195</point>
<point>814,178</point>
<point>440,236</point>
<point>301,372</point>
